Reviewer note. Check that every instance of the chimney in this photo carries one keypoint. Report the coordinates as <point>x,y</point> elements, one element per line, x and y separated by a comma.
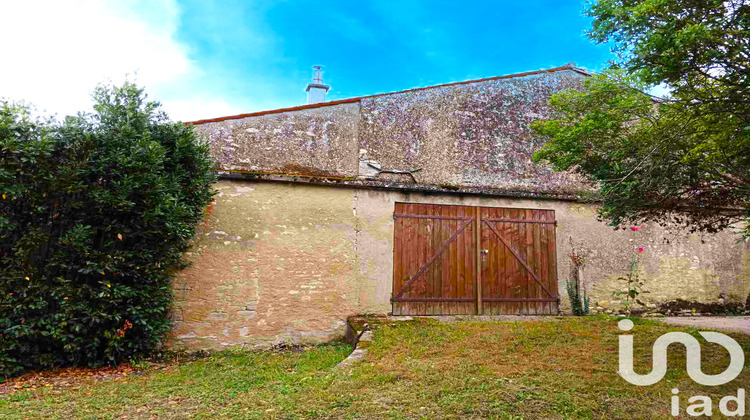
<point>316,91</point>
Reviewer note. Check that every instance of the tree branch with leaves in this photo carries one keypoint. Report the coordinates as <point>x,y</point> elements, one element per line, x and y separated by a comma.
<point>683,159</point>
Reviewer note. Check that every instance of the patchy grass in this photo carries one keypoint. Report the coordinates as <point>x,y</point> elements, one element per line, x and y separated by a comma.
<point>421,369</point>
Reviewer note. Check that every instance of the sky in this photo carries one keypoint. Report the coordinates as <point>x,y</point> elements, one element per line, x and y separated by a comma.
<point>204,59</point>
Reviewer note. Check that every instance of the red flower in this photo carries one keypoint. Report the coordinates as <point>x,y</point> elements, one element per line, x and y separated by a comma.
<point>640,249</point>
<point>634,229</point>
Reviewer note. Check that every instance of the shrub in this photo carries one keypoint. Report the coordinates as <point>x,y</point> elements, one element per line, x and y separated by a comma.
<point>579,302</point>
<point>95,214</point>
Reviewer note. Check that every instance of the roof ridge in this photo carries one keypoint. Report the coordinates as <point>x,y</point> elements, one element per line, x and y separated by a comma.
<point>357,99</point>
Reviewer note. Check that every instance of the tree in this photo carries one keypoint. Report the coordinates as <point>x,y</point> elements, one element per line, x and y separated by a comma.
<point>95,214</point>
<point>682,159</point>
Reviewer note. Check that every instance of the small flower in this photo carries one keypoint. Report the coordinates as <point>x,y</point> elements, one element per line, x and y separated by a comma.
<point>65,298</point>
<point>101,272</point>
<point>119,236</point>
<point>640,249</point>
<point>28,278</point>
<point>4,196</point>
<point>634,229</point>
<point>109,285</point>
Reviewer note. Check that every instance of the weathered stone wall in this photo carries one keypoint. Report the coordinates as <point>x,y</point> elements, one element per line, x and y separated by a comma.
<point>285,262</point>
<point>473,134</point>
<point>272,263</point>
<point>319,141</point>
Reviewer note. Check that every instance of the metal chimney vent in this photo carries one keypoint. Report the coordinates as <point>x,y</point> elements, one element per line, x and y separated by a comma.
<point>316,91</point>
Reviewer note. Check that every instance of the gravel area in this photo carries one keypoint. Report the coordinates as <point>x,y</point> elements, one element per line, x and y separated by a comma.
<point>728,323</point>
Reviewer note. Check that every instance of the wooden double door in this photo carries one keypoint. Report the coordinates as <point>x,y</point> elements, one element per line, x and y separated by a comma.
<point>473,260</point>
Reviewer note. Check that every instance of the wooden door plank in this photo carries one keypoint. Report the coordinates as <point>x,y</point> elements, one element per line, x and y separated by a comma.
<point>454,260</point>
<point>405,231</point>
<point>407,264</point>
<point>397,257</point>
<point>545,258</point>
<point>507,268</point>
<point>450,259</point>
<point>538,258</point>
<point>492,257</point>
<point>496,258</point>
<point>483,260</point>
<point>420,286</point>
<point>413,248</point>
<point>437,265</point>
<point>469,252</point>
<point>434,286</point>
<point>513,239</point>
<point>446,260</point>
<point>522,275</point>
<point>501,268</point>
<point>461,263</point>
<point>520,229</point>
<point>499,281</point>
<point>477,261</point>
<point>529,242</point>
<point>513,234</point>
<point>552,260</point>
<point>427,306</point>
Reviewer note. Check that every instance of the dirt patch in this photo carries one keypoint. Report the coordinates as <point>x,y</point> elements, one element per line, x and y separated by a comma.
<point>65,378</point>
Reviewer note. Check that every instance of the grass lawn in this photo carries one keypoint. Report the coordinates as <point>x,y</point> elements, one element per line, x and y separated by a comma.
<point>420,369</point>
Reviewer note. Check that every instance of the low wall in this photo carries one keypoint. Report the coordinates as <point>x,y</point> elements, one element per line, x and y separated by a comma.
<point>282,262</point>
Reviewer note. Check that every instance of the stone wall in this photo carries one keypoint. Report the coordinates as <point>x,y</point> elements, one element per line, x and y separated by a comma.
<point>287,262</point>
<point>272,263</point>
<point>320,141</point>
<point>474,134</point>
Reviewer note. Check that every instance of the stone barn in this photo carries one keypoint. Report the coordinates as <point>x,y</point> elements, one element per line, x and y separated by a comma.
<point>419,202</point>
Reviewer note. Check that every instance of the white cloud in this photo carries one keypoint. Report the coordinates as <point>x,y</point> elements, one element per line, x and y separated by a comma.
<point>57,51</point>
<point>194,109</point>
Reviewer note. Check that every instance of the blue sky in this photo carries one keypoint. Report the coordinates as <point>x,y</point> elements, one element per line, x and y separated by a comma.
<point>205,59</point>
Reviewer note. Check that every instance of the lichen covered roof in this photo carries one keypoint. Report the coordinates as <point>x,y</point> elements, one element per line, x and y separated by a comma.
<point>466,136</point>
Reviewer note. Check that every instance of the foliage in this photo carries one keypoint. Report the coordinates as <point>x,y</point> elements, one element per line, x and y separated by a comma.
<point>683,159</point>
<point>634,286</point>
<point>95,214</point>
<point>576,294</point>
<point>586,304</point>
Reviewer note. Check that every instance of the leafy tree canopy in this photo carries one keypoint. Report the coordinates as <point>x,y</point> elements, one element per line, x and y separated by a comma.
<point>95,213</point>
<point>684,158</point>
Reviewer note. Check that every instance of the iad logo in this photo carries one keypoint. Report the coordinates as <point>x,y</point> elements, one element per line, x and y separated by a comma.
<point>693,350</point>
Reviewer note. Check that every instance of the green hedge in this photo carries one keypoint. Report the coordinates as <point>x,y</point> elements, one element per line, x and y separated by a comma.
<point>95,213</point>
